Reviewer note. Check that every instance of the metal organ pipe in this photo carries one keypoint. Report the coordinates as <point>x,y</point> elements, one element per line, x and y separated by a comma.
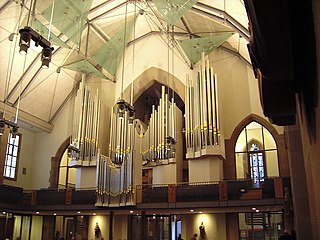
<point>160,134</point>
<point>202,130</point>
<point>84,143</point>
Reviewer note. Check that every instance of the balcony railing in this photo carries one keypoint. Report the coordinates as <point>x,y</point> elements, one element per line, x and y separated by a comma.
<point>211,191</point>
<point>184,193</point>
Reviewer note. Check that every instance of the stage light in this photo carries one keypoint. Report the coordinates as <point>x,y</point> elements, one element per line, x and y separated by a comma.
<point>46,57</point>
<point>25,39</point>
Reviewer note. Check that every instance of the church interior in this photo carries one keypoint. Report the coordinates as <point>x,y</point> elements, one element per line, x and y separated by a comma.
<point>156,120</point>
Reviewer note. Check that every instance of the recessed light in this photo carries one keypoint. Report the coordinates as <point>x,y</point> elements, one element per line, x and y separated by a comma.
<point>78,212</point>
<point>3,213</point>
<point>253,209</point>
<point>191,210</point>
<point>37,212</point>
<point>200,212</point>
<point>94,214</point>
<point>54,214</point>
<point>131,211</point>
<point>257,210</point>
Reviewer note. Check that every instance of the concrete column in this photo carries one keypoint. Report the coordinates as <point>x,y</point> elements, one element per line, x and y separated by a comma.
<point>302,223</point>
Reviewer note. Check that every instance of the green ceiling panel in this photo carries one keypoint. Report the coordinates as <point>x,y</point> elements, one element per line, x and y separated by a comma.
<point>173,10</point>
<point>43,30</point>
<point>195,46</point>
<point>109,55</point>
<point>85,67</point>
<point>69,17</point>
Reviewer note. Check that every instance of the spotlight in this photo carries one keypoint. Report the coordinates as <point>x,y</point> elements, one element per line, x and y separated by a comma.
<point>2,125</point>
<point>46,57</point>
<point>121,107</point>
<point>26,35</point>
<point>14,131</point>
<point>25,39</point>
<point>131,116</point>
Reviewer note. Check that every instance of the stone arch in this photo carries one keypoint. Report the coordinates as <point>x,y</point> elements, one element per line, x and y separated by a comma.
<point>249,119</point>
<point>230,165</point>
<point>55,163</point>
<point>147,78</point>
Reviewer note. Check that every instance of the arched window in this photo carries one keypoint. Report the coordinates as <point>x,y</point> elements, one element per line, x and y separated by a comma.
<point>256,154</point>
<point>67,174</point>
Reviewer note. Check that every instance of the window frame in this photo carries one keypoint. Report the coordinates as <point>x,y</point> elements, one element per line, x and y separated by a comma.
<point>17,157</point>
<point>248,152</point>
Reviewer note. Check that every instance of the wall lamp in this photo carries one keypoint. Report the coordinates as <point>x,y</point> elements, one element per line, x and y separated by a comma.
<point>26,35</point>
<point>12,125</point>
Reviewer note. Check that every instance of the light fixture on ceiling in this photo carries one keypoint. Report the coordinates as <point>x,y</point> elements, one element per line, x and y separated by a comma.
<point>11,125</point>
<point>26,35</point>
<point>46,57</point>
<point>25,39</point>
<point>2,126</point>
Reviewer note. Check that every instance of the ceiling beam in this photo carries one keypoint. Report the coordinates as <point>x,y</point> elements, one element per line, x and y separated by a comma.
<point>186,25</point>
<point>66,100</point>
<point>22,77</point>
<point>5,5</point>
<point>101,5</point>
<point>28,118</point>
<point>107,12</point>
<point>98,31</point>
<point>236,54</point>
<point>227,19</point>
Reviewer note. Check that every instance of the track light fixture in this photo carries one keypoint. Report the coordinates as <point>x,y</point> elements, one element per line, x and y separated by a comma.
<point>26,35</point>
<point>2,126</point>
<point>25,39</point>
<point>46,57</point>
<point>12,125</point>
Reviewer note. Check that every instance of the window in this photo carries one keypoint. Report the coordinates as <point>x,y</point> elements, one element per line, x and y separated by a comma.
<point>256,154</point>
<point>11,162</point>
<point>256,164</point>
<point>67,174</point>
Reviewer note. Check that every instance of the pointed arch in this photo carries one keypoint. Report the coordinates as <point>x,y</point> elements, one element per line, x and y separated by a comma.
<point>147,78</point>
<point>55,163</point>
<point>230,163</point>
<point>248,120</point>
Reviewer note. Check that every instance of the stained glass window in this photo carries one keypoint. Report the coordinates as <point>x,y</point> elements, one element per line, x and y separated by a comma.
<point>256,154</point>
<point>11,162</point>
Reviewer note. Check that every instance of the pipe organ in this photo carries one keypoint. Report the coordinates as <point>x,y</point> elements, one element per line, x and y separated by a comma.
<point>84,141</point>
<point>115,171</point>
<point>202,125</point>
<point>158,141</point>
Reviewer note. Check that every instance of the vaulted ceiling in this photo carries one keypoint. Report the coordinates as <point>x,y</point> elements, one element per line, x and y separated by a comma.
<point>86,33</point>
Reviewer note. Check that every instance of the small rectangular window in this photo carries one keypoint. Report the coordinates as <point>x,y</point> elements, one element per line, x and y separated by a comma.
<point>11,162</point>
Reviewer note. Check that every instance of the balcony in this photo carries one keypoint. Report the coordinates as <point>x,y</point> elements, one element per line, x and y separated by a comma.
<point>231,193</point>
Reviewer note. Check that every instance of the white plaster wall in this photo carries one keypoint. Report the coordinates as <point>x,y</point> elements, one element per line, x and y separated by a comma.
<point>214,224</point>
<point>237,89</point>
<point>165,174</point>
<point>150,52</point>
<point>86,177</point>
<point>204,169</point>
<point>25,160</point>
<point>46,146</point>
<point>120,228</point>
<point>37,223</point>
<point>103,222</point>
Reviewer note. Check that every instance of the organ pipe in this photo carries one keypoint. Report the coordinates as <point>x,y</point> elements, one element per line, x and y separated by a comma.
<point>158,142</point>
<point>202,113</point>
<point>120,141</point>
<point>84,139</point>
